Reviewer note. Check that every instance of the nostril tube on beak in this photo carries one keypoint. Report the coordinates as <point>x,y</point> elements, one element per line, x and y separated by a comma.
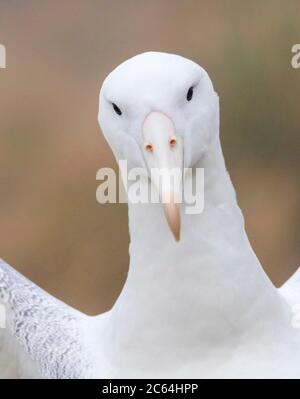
<point>148,147</point>
<point>173,142</point>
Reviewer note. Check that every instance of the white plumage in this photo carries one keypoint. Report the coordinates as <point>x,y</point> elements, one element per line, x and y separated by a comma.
<point>202,307</point>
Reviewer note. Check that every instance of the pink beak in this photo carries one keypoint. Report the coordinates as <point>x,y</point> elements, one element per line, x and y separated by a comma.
<point>163,151</point>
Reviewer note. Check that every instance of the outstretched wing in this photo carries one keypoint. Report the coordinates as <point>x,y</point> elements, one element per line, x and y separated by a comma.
<point>40,336</point>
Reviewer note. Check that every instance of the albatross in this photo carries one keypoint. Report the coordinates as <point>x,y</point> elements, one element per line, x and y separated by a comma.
<point>197,302</point>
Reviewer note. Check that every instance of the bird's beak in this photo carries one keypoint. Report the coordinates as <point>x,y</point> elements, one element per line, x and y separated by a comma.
<point>163,151</point>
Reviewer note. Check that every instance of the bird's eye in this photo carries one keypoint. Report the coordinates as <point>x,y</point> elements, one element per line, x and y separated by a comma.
<point>116,109</point>
<point>190,93</point>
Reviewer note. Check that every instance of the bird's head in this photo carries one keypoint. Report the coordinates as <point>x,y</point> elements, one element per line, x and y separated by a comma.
<point>159,111</point>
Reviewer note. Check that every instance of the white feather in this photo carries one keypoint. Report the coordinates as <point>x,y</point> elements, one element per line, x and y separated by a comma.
<point>199,308</point>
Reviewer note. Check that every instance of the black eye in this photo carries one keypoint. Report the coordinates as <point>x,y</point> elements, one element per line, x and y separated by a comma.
<point>190,93</point>
<point>116,109</point>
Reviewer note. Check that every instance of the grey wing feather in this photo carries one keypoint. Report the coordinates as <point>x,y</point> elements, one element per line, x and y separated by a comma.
<point>50,334</point>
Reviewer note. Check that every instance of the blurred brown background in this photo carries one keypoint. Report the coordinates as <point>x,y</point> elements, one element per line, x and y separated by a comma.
<point>58,53</point>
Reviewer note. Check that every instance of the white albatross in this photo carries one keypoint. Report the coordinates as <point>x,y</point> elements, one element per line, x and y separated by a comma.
<point>201,307</point>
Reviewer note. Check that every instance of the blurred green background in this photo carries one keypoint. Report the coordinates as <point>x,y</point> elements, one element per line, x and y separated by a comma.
<point>58,53</point>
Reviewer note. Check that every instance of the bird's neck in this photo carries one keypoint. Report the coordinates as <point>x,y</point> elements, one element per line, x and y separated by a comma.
<point>205,288</point>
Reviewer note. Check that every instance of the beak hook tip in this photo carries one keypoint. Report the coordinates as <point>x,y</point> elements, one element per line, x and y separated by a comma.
<point>177,237</point>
